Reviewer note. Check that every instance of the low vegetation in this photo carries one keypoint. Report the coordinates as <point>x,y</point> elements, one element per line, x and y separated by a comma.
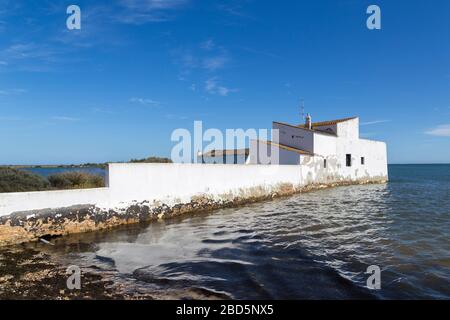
<point>76,180</point>
<point>14,180</point>
<point>151,160</point>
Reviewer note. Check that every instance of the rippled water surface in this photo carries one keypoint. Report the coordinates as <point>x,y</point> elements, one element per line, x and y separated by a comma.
<point>314,245</point>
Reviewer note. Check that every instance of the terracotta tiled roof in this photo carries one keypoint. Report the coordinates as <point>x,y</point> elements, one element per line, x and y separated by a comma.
<point>304,128</point>
<point>329,123</point>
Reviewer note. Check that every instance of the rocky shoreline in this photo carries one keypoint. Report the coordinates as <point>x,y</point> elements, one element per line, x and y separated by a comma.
<point>31,274</point>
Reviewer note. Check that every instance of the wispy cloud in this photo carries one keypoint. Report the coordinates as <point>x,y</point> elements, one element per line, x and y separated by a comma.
<point>215,63</point>
<point>234,8</point>
<point>145,101</point>
<point>440,131</point>
<point>172,116</point>
<point>209,60</point>
<point>213,87</point>
<point>65,118</point>
<point>147,11</point>
<point>102,110</point>
<point>8,92</point>
<point>30,56</point>
<point>368,123</point>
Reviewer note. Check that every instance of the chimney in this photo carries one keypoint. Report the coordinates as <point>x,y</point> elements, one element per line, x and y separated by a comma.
<point>308,122</point>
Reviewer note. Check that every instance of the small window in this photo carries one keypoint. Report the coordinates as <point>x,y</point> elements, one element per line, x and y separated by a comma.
<point>363,161</point>
<point>348,160</point>
<point>325,163</point>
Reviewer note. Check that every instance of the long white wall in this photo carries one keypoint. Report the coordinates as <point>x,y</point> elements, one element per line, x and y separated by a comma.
<point>26,201</point>
<point>178,183</point>
<point>172,183</point>
<point>164,183</point>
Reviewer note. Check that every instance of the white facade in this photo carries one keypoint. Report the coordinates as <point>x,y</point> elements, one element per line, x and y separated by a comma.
<point>300,160</point>
<point>159,184</point>
<point>332,147</point>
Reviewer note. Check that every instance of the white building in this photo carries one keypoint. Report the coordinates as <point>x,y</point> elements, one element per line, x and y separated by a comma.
<point>332,148</point>
<point>312,155</point>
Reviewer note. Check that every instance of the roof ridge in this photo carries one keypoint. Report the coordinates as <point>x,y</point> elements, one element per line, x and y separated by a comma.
<point>330,122</point>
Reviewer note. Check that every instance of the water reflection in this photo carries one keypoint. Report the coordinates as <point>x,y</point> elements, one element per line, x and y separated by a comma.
<point>312,245</point>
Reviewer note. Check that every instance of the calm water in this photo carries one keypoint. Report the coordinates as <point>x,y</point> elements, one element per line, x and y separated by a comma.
<point>313,245</point>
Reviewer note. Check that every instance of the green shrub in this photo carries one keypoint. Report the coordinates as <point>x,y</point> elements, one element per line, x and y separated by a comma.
<point>59,181</point>
<point>76,180</point>
<point>13,180</point>
<point>151,160</point>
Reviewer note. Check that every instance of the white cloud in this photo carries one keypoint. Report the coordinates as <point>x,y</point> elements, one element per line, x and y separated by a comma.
<point>9,92</point>
<point>215,63</point>
<point>64,118</point>
<point>234,9</point>
<point>212,87</point>
<point>145,11</point>
<point>146,102</point>
<point>374,122</point>
<point>210,57</point>
<point>172,116</point>
<point>440,131</point>
<point>32,56</point>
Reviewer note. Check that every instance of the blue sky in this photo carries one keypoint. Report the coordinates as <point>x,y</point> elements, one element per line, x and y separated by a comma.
<point>137,70</point>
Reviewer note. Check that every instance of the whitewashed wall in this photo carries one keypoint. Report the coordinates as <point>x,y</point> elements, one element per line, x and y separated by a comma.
<point>177,183</point>
<point>26,201</point>
<point>295,137</point>
<point>167,183</point>
<point>261,150</point>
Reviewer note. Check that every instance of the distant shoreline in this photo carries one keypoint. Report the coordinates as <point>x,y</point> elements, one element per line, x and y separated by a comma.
<point>53,166</point>
<point>104,165</point>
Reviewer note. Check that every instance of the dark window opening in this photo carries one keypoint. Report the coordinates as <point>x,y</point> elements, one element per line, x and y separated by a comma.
<point>325,163</point>
<point>363,160</point>
<point>348,160</point>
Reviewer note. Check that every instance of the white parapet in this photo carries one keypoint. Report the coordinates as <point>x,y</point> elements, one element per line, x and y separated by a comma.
<point>165,183</point>
<point>27,201</point>
<point>177,183</point>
